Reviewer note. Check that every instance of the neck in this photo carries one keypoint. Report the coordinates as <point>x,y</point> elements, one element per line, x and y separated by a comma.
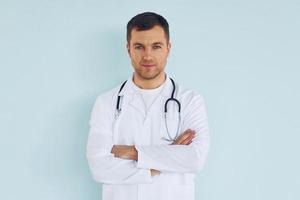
<point>149,83</point>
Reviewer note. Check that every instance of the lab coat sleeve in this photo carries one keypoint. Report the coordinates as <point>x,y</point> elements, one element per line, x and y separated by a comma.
<point>181,158</point>
<point>104,167</point>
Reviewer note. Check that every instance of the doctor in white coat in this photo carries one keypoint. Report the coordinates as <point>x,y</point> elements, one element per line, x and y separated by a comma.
<point>148,136</point>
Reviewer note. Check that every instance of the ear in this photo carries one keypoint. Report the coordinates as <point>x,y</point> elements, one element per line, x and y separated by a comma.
<point>169,47</point>
<point>128,48</point>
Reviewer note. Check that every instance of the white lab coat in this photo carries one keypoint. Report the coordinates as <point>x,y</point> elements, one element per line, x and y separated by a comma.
<point>131,180</point>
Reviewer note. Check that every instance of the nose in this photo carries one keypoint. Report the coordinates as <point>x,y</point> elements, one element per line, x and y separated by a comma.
<point>147,54</point>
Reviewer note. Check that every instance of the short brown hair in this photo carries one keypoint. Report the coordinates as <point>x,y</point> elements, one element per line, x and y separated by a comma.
<point>146,21</point>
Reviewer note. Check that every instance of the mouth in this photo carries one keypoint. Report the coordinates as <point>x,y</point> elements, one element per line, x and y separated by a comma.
<point>148,65</point>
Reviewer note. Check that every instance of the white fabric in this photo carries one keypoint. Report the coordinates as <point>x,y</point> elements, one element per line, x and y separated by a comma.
<point>131,180</point>
<point>149,95</point>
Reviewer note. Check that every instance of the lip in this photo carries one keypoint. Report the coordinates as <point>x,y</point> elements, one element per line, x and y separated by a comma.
<point>147,65</point>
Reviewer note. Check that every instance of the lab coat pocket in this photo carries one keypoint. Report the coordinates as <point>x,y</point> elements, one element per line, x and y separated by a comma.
<point>180,192</point>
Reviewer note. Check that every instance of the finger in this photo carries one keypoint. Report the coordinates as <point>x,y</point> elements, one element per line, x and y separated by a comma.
<point>182,137</point>
<point>186,134</point>
<point>188,140</point>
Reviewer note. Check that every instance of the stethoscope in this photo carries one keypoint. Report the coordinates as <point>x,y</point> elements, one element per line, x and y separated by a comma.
<point>170,138</point>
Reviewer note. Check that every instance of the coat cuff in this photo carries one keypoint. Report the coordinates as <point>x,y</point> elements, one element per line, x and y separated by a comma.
<point>145,175</point>
<point>143,162</point>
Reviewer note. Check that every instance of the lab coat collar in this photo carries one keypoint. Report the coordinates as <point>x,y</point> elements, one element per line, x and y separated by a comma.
<point>131,88</point>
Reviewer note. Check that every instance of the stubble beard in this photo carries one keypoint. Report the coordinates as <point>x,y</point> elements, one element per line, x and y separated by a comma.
<point>148,75</point>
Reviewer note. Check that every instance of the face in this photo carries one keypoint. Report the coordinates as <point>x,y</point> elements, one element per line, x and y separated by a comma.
<point>148,51</point>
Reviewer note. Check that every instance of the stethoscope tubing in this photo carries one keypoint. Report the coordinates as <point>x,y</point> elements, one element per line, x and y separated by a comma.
<point>170,139</point>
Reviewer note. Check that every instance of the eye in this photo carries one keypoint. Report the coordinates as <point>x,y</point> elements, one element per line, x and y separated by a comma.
<point>138,47</point>
<point>156,47</point>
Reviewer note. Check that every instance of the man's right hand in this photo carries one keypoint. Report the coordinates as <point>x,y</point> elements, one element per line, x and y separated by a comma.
<point>185,138</point>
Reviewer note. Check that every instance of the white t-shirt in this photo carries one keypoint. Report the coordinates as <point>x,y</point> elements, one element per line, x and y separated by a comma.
<point>149,95</point>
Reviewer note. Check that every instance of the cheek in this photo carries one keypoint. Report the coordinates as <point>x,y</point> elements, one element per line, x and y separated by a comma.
<point>162,59</point>
<point>135,59</point>
<point>135,56</point>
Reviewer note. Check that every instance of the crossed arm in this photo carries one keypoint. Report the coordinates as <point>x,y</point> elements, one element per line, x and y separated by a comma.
<point>121,164</point>
<point>130,152</point>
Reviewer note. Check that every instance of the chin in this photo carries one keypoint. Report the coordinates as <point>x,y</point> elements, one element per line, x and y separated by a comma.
<point>149,76</point>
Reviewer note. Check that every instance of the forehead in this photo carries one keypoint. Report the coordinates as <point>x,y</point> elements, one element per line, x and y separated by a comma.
<point>156,34</point>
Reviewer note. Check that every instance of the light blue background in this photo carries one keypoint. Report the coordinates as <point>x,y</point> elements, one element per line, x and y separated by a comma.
<point>57,56</point>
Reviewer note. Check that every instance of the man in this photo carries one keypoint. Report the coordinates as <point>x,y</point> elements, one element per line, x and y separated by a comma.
<point>148,136</point>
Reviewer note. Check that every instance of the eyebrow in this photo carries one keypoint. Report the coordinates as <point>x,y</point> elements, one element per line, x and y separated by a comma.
<point>158,43</point>
<point>155,43</point>
<point>137,43</point>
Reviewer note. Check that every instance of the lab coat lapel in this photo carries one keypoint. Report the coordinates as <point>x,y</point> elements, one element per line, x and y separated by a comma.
<point>137,103</point>
<point>134,99</point>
